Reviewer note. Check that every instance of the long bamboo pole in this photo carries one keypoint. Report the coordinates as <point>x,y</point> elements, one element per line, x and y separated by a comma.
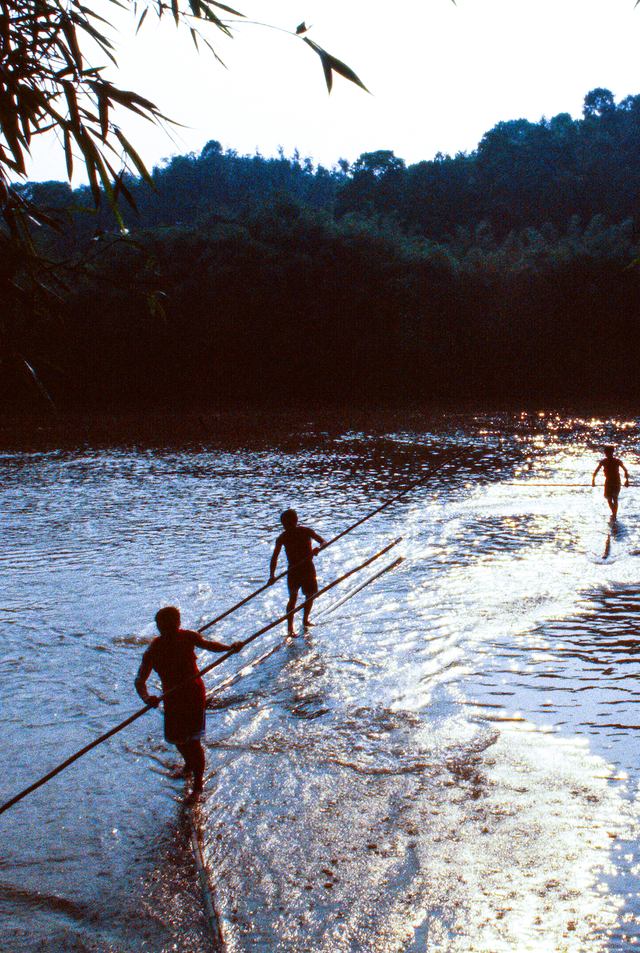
<point>123,724</point>
<point>533,484</point>
<point>335,539</point>
<point>232,679</point>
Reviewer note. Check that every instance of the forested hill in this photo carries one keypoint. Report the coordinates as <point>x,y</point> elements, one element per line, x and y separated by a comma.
<point>522,174</point>
<point>507,271</point>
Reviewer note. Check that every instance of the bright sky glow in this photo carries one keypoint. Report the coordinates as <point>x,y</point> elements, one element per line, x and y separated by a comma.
<point>440,76</point>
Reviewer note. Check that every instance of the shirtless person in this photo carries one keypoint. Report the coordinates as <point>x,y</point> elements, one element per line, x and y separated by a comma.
<point>611,466</point>
<point>172,656</point>
<point>302,573</point>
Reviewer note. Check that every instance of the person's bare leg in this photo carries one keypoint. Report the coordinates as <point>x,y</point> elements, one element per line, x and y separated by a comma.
<point>198,767</point>
<point>307,611</point>
<point>193,754</point>
<point>309,598</point>
<point>291,604</point>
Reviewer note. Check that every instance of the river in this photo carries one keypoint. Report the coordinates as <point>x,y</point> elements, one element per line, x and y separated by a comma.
<point>448,761</point>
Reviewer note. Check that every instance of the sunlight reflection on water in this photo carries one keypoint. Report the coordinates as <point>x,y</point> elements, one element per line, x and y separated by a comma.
<point>447,763</point>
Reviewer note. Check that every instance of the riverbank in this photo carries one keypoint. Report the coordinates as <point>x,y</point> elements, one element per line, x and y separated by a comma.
<point>253,424</point>
<point>42,432</point>
<point>244,425</point>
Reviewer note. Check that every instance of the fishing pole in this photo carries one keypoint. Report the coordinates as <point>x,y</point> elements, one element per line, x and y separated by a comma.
<point>123,724</point>
<point>335,539</point>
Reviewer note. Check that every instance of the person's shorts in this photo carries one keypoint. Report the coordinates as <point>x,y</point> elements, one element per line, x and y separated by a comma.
<point>611,489</point>
<point>303,577</point>
<point>184,718</point>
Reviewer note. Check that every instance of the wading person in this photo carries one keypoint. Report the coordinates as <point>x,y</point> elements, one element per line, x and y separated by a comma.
<point>302,573</point>
<point>172,655</point>
<point>611,466</point>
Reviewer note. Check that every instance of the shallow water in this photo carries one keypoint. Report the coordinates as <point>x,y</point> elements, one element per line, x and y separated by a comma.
<point>447,762</point>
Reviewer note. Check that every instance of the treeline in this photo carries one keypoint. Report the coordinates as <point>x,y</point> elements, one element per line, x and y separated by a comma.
<point>522,174</point>
<point>509,272</point>
<point>191,187</point>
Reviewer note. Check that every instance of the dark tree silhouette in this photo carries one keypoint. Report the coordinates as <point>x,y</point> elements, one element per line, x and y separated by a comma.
<point>50,79</point>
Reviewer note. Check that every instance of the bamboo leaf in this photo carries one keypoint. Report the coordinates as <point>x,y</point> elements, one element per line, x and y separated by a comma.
<point>5,159</point>
<point>346,71</point>
<point>205,5</point>
<point>236,13</point>
<point>90,156</point>
<point>330,63</point>
<point>103,109</point>
<point>127,194</point>
<point>72,103</point>
<point>215,55</point>
<point>68,153</point>
<point>328,75</point>
<point>72,40</point>
<point>135,158</point>
<point>199,7</point>
<point>9,126</point>
<point>87,12</point>
<point>43,218</point>
<point>109,191</point>
<point>141,20</point>
<point>126,98</point>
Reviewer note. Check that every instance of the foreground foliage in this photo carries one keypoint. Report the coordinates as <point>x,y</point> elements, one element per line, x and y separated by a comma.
<point>49,82</point>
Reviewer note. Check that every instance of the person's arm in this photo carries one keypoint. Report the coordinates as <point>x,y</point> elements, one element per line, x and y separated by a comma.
<point>595,473</point>
<point>274,561</point>
<point>626,474</point>
<point>141,683</point>
<point>216,646</point>
<point>318,539</point>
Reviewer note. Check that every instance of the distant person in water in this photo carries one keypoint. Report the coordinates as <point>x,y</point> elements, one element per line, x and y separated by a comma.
<point>172,656</point>
<point>611,466</point>
<point>302,573</point>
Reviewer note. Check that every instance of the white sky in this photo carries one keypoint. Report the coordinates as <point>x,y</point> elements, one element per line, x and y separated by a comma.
<point>440,75</point>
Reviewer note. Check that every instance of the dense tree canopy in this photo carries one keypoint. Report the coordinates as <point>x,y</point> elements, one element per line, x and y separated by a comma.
<point>522,173</point>
<point>507,271</point>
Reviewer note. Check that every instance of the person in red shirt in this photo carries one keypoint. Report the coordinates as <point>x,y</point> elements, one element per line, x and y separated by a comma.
<point>611,466</point>
<point>302,573</point>
<point>172,655</point>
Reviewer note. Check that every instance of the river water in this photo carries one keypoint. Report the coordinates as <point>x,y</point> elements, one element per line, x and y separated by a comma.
<point>448,761</point>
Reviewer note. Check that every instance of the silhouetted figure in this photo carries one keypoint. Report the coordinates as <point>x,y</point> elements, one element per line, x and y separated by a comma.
<point>172,656</point>
<point>302,573</point>
<point>611,466</point>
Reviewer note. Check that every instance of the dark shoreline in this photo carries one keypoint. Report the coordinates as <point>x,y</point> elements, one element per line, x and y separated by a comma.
<point>256,425</point>
<point>247,424</point>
